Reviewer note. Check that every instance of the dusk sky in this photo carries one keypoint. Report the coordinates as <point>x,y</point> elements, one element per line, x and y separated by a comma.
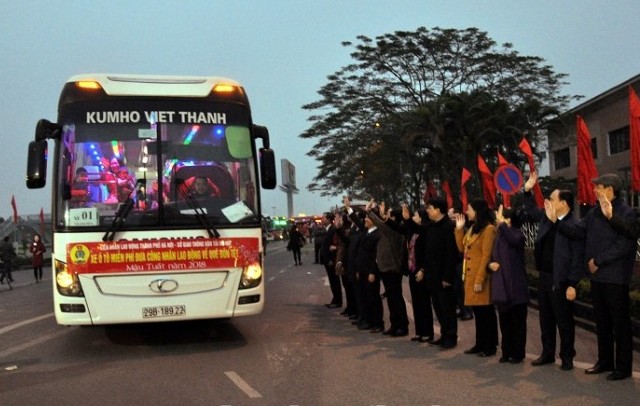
<point>280,50</point>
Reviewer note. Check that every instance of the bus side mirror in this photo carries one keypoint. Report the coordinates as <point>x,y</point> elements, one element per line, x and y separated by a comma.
<point>267,168</point>
<point>37,164</point>
<point>261,132</point>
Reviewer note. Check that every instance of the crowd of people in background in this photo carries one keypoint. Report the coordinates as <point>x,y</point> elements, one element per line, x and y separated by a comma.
<point>471,265</point>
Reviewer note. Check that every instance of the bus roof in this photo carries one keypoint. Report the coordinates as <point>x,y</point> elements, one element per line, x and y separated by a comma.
<point>154,85</point>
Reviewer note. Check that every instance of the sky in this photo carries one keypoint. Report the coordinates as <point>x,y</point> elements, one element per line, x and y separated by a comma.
<point>281,51</point>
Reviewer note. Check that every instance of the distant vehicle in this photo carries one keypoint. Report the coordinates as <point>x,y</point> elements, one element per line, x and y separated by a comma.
<point>276,235</point>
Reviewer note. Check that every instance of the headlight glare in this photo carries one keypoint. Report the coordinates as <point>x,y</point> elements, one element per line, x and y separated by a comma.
<point>67,283</point>
<point>251,276</point>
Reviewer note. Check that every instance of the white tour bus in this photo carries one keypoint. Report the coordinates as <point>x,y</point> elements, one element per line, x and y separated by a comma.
<point>155,199</point>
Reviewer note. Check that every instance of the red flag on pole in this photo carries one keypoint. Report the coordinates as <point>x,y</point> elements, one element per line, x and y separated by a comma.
<point>634,138</point>
<point>447,192</point>
<point>488,187</point>
<point>466,175</point>
<point>41,222</point>
<point>537,191</point>
<point>506,199</point>
<point>15,209</point>
<point>586,166</point>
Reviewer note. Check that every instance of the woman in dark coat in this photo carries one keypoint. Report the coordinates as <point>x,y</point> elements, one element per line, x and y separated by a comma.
<point>510,292</point>
<point>37,249</point>
<point>296,241</point>
<point>420,294</point>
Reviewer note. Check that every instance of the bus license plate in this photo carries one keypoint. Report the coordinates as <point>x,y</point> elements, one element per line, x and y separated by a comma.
<point>163,311</point>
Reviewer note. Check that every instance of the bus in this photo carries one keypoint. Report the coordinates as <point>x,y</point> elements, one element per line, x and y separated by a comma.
<point>155,199</point>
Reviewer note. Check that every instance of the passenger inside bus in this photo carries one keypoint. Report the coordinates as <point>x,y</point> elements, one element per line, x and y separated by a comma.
<point>80,193</point>
<point>126,183</point>
<point>153,194</point>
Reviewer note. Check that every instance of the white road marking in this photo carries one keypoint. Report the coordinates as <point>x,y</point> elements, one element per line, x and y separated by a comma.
<point>24,323</point>
<point>240,383</point>
<point>32,343</point>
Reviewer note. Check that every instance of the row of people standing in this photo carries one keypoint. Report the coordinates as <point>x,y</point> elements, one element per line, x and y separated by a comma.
<point>492,249</point>
<point>362,251</point>
<point>431,247</point>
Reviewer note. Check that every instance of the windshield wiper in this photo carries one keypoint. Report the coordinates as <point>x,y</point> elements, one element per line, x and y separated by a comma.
<point>123,212</point>
<point>199,212</point>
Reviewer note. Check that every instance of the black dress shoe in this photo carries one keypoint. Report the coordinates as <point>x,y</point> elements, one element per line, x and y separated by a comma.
<point>466,317</point>
<point>567,365</point>
<point>448,344</point>
<point>439,341</point>
<point>399,332</point>
<point>618,375</point>
<point>426,339</point>
<point>333,306</point>
<point>485,354</point>
<point>472,350</point>
<point>543,360</point>
<point>364,326</point>
<point>388,332</point>
<point>597,369</point>
<point>417,338</point>
<point>376,330</point>
<point>515,360</point>
<point>504,359</point>
<point>344,313</point>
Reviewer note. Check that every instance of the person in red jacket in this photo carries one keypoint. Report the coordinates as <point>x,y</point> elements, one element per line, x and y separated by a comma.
<point>37,249</point>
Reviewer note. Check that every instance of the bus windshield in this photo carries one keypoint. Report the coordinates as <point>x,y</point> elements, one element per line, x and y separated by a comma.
<point>172,162</point>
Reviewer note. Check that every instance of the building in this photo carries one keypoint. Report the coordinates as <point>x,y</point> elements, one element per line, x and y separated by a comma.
<point>607,117</point>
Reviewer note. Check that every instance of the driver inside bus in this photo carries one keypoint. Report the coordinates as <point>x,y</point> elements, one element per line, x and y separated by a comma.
<point>202,187</point>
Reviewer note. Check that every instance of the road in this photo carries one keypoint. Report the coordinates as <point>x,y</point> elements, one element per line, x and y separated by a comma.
<point>297,352</point>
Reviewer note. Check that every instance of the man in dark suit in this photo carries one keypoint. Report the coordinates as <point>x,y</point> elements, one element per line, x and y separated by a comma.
<point>438,269</point>
<point>318,237</point>
<point>559,262</point>
<point>367,273</point>
<point>328,259</point>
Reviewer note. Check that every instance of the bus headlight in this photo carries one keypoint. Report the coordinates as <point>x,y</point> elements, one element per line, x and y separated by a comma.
<point>67,283</point>
<point>251,276</point>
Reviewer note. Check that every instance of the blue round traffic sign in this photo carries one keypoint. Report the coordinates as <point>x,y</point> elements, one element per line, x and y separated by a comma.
<point>508,179</point>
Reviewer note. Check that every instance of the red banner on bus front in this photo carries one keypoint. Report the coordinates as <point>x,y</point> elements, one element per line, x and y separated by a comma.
<point>161,255</point>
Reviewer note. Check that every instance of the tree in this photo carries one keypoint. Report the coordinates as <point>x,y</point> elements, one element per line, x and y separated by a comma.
<point>416,106</point>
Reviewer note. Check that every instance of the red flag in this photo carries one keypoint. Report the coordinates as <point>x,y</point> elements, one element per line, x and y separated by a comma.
<point>634,138</point>
<point>431,189</point>
<point>502,160</point>
<point>506,199</point>
<point>537,191</point>
<point>488,187</point>
<point>41,223</point>
<point>447,192</point>
<point>466,175</point>
<point>15,209</point>
<point>586,166</point>
<point>430,192</point>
